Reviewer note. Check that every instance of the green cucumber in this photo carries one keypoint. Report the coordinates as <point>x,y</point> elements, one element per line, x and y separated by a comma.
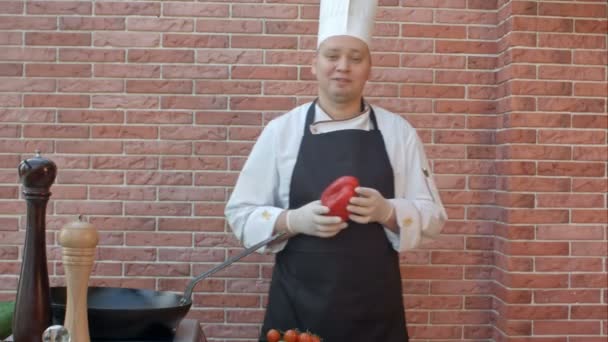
<point>6,319</point>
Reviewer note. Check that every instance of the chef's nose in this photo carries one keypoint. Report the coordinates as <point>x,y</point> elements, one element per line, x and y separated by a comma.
<point>342,64</point>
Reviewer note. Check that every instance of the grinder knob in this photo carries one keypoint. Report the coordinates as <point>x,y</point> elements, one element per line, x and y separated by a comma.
<point>56,333</point>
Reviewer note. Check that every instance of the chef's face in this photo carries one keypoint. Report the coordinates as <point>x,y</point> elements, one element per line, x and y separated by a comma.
<point>342,66</point>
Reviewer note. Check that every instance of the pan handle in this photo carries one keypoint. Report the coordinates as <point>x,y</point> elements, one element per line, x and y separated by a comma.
<point>187,298</point>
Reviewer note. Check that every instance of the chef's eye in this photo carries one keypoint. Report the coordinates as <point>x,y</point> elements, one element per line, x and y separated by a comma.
<point>332,57</point>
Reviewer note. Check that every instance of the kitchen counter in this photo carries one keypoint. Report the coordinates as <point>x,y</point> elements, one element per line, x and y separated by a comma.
<point>189,330</point>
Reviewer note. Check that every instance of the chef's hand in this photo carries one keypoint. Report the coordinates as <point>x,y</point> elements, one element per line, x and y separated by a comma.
<point>369,206</point>
<point>310,220</point>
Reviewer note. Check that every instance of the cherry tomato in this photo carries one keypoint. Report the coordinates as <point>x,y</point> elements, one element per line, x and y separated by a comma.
<point>290,336</point>
<point>273,335</point>
<point>305,337</point>
<point>316,338</point>
<point>337,195</point>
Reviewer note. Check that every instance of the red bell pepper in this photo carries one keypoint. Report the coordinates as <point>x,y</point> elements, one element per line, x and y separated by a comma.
<point>337,195</point>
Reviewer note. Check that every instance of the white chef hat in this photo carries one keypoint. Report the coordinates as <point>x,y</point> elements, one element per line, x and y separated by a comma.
<point>347,17</point>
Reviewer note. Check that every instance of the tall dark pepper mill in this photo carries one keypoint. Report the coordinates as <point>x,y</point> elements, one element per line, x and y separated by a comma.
<point>33,307</point>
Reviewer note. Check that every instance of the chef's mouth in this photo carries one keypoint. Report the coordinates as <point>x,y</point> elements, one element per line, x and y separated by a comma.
<point>341,80</point>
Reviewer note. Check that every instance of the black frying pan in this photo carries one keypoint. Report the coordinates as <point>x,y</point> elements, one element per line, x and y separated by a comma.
<point>137,314</point>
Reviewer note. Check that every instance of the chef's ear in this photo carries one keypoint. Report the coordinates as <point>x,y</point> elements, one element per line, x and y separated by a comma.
<point>313,66</point>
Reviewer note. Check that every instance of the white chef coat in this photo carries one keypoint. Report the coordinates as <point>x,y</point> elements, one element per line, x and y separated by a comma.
<point>261,192</point>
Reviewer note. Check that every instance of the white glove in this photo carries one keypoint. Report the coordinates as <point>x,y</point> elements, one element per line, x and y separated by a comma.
<point>369,206</point>
<point>310,220</point>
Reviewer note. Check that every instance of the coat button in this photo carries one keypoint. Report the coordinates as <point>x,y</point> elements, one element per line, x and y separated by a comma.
<point>407,221</point>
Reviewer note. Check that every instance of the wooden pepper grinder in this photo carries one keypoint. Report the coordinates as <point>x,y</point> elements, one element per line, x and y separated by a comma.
<point>33,306</point>
<point>79,240</point>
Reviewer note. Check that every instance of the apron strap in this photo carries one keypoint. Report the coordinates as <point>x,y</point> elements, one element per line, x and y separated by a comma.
<point>310,117</point>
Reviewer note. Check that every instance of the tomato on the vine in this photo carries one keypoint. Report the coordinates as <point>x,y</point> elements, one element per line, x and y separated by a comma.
<point>273,335</point>
<point>290,336</point>
<point>305,337</point>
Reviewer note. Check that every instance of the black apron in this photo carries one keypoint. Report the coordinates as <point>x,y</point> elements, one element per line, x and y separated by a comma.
<point>348,287</point>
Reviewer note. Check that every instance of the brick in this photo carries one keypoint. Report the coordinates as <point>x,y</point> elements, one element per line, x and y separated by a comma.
<point>571,41</point>
<point>91,23</point>
<point>28,23</point>
<point>568,264</point>
<point>124,163</point>
<point>481,62</point>
<point>589,185</point>
<point>59,7</point>
<point>589,216</point>
<point>584,169</point>
<point>214,179</point>
<point>91,55</point>
<point>194,163</point>
<point>126,39</point>
<point>161,87</point>
<point>465,17</point>
<point>11,7</point>
<point>537,24</point>
<point>404,76</point>
<point>88,147</point>
<point>468,47</point>
<point>591,26</point>
<point>124,101</point>
<point>66,101</point>
<point>589,280</point>
<point>196,72</point>
<point>402,45</point>
<point>229,26</point>
<point>195,10</point>
<point>10,69</point>
<point>11,38</point>
<point>121,8</point>
<point>263,42</point>
<point>571,137</point>
<point>158,147</point>
<point>159,117</point>
<point>185,194</point>
<point>589,121</point>
<point>432,91</point>
<point>127,71</point>
<point>158,178</point>
<point>223,148</point>
<point>123,193</point>
<point>541,88</point>
<point>232,56</point>
<point>259,103</point>
<point>10,84</point>
<point>433,31</point>
<point>57,39</point>
<point>536,152</point>
<point>571,73</point>
<point>90,86</point>
<point>590,153</point>
<point>160,24</point>
<point>265,11</point>
<point>567,296</point>
<point>289,27</point>
<point>425,332</point>
<point>192,133</point>
<point>55,131</point>
<point>88,207</point>
<point>572,10</point>
<point>433,61</point>
<point>513,120</point>
<point>17,146</point>
<point>566,328</point>
<point>571,105</point>
<point>90,116</point>
<point>161,209</point>
<point>58,70</point>
<point>590,89</point>
<point>123,223</point>
<point>536,216</point>
<point>566,232</point>
<point>229,87</point>
<point>589,312</point>
<point>193,102</point>
<point>160,56</point>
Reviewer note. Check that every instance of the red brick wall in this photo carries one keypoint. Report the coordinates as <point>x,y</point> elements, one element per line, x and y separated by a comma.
<point>150,107</point>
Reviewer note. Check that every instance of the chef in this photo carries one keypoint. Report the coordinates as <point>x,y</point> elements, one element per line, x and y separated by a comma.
<point>340,280</point>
